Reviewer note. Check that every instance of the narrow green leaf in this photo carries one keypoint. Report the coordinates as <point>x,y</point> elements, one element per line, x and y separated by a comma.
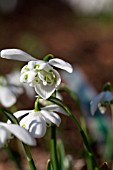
<point>62,105</point>
<point>84,137</point>
<point>61,154</point>
<point>9,115</point>
<point>49,165</point>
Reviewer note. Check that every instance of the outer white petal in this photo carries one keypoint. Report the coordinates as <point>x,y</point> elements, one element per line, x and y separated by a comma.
<point>61,64</point>
<point>94,103</point>
<point>21,113</point>
<point>16,54</point>
<point>4,135</point>
<point>21,133</point>
<point>56,108</point>
<point>51,117</point>
<point>7,98</point>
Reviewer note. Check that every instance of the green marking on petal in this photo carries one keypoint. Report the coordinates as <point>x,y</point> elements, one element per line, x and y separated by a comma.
<point>24,125</point>
<point>36,66</point>
<point>26,77</point>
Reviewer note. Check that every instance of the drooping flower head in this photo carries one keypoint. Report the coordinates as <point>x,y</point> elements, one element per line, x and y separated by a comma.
<point>102,100</point>
<point>38,73</point>
<point>36,122</point>
<point>7,130</point>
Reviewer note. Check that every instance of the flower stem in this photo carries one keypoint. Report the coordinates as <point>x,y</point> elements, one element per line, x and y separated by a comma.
<point>53,148</point>
<point>83,135</point>
<point>36,105</point>
<point>29,157</point>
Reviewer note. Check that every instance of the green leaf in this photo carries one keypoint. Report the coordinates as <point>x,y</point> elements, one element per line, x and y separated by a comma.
<point>49,165</point>
<point>62,105</point>
<point>84,137</point>
<point>61,154</point>
<point>9,115</point>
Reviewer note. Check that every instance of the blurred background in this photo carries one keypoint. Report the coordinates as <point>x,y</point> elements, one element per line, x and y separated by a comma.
<point>78,31</point>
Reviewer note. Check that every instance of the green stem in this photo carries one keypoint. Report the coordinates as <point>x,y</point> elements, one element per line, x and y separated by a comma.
<point>29,157</point>
<point>86,143</point>
<point>83,135</point>
<point>53,148</point>
<point>77,101</point>
<point>36,105</point>
<point>82,119</point>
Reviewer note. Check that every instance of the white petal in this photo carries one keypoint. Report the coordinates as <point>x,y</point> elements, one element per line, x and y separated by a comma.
<point>56,108</point>
<point>4,135</point>
<point>51,117</point>
<point>61,64</point>
<point>21,113</point>
<point>26,121</point>
<point>21,133</point>
<point>16,54</point>
<point>94,103</point>
<point>7,98</point>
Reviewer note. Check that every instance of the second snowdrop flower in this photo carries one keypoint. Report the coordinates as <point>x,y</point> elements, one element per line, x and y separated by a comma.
<point>101,101</point>
<point>36,121</point>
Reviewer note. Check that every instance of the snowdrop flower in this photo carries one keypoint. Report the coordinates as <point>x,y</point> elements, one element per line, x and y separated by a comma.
<point>7,130</point>
<point>36,121</point>
<point>37,73</point>
<point>101,101</point>
<point>8,92</point>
